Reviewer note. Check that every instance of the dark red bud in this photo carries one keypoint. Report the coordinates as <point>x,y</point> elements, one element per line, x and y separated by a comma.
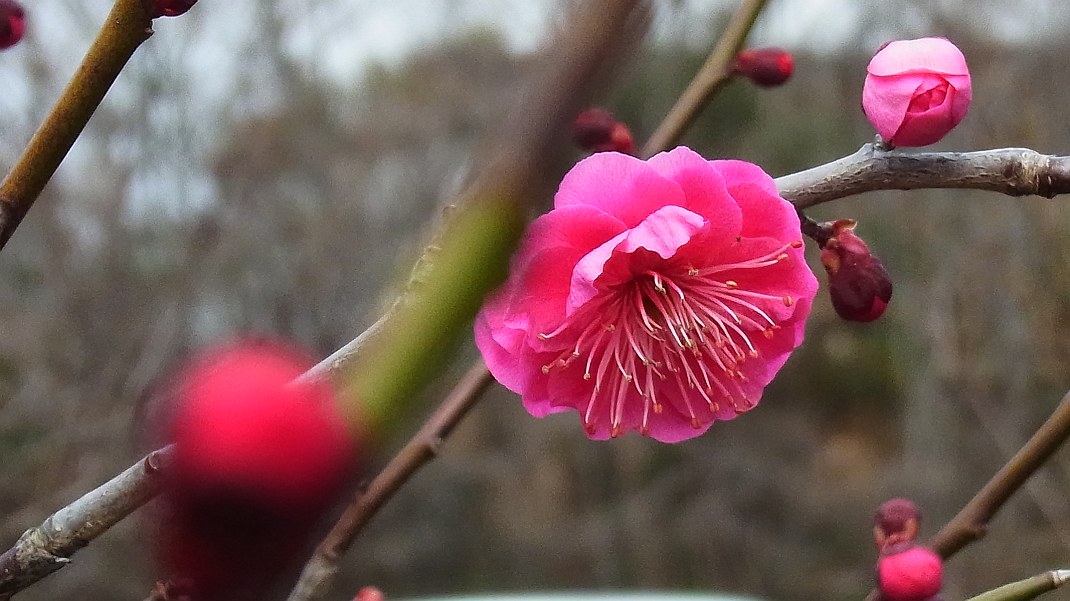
<point>597,130</point>
<point>910,573</point>
<point>168,8</point>
<point>766,67</point>
<point>12,23</point>
<point>895,521</point>
<point>859,284</point>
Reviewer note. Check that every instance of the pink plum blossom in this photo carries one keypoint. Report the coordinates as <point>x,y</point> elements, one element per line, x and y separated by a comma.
<point>657,296</point>
<point>916,91</point>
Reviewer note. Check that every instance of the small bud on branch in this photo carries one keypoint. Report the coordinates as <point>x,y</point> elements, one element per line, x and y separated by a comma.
<point>766,67</point>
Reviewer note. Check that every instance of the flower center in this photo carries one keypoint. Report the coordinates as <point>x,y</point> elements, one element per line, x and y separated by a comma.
<point>685,328</point>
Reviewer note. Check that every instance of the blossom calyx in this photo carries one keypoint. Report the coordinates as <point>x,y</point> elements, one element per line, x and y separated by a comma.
<point>895,521</point>
<point>909,573</point>
<point>12,23</point>
<point>859,285</point>
<point>916,91</point>
<point>597,130</point>
<point>766,67</point>
<point>657,296</point>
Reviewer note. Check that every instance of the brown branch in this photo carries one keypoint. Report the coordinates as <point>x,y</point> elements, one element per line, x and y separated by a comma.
<point>1011,171</point>
<point>972,521</point>
<point>714,73</point>
<point>321,569</point>
<point>126,27</point>
<point>48,547</point>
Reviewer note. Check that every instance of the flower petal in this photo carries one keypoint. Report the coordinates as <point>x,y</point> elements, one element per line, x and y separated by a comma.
<point>618,184</point>
<point>925,55</point>
<point>885,100</point>
<point>662,232</point>
<point>705,191</point>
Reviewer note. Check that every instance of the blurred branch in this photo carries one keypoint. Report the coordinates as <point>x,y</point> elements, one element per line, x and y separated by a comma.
<point>1011,171</point>
<point>321,569</point>
<point>1027,589</point>
<point>48,547</point>
<point>971,522</point>
<point>126,27</point>
<point>714,73</point>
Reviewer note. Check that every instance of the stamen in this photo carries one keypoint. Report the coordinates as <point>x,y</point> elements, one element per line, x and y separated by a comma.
<point>711,325</point>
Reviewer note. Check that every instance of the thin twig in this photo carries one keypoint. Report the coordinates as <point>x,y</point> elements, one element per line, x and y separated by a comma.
<point>714,73</point>
<point>48,547</point>
<point>1010,171</point>
<point>126,27</point>
<point>1025,590</point>
<point>971,522</point>
<point>321,569</point>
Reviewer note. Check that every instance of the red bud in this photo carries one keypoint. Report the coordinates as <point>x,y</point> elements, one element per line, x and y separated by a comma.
<point>12,23</point>
<point>258,460</point>
<point>370,593</point>
<point>168,8</point>
<point>859,284</point>
<point>895,521</point>
<point>597,130</point>
<point>766,67</point>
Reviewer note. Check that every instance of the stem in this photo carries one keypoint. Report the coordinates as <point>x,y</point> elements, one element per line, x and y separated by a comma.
<point>714,73</point>
<point>48,547</point>
<point>126,27</point>
<point>971,522</point>
<point>1010,171</point>
<point>321,569</point>
<point>1027,589</point>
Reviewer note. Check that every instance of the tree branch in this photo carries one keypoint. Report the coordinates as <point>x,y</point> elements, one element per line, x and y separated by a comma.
<point>711,76</point>
<point>126,27</point>
<point>1010,171</point>
<point>971,522</point>
<point>48,547</point>
<point>321,569</point>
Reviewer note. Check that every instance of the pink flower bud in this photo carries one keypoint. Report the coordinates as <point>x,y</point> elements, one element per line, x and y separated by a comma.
<point>913,574</point>
<point>895,521</point>
<point>766,67</point>
<point>370,593</point>
<point>12,23</point>
<point>168,8</point>
<point>859,285</point>
<point>916,91</point>
<point>597,130</point>
<point>258,460</point>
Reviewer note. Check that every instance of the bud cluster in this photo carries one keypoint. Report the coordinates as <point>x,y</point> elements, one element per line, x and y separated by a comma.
<point>906,571</point>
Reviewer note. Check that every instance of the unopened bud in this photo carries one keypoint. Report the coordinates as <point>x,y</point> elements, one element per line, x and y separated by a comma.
<point>597,130</point>
<point>766,67</point>
<point>895,521</point>
<point>859,284</point>
<point>12,23</point>
<point>370,593</point>
<point>258,459</point>
<point>168,8</point>
<point>911,574</point>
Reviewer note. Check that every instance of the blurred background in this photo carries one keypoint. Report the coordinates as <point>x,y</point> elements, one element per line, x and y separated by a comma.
<point>261,167</point>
